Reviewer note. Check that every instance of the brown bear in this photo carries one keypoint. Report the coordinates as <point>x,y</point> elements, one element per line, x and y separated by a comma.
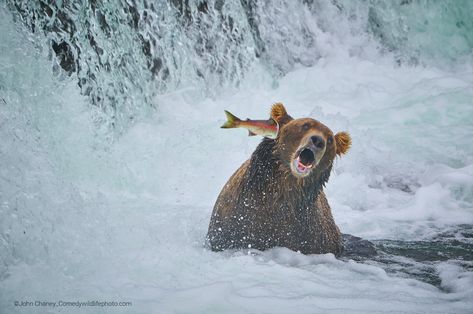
<point>276,198</point>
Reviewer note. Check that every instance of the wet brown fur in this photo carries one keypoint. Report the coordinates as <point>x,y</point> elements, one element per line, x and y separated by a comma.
<point>264,205</point>
<point>278,111</point>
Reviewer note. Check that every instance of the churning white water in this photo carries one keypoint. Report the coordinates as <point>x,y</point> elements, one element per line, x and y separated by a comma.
<point>88,214</point>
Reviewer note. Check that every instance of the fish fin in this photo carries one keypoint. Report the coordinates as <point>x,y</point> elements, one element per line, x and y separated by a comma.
<point>231,121</point>
<point>251,133</point>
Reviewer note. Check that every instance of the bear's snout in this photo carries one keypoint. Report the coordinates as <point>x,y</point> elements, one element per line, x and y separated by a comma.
<point>318,141</point>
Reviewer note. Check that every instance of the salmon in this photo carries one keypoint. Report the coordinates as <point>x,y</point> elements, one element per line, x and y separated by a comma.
<point>267,128</point>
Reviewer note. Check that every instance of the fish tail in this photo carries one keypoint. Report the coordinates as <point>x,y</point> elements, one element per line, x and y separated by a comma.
<point>232,121</point>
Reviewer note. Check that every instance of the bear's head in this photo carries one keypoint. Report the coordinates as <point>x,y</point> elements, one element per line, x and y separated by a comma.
<point>306,147</point>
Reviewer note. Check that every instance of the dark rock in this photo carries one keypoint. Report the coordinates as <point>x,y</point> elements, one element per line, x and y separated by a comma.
<point>356,247</point>
<point>65,56</point>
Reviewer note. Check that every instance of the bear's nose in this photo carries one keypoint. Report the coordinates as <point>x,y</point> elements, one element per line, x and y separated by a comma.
<point>318,141</point>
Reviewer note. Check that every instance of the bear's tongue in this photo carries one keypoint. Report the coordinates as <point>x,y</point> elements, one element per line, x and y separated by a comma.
<point>305,160</point>
<point>300,166</point>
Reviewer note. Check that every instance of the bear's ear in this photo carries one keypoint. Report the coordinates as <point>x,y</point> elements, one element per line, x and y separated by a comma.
<point>279,114</point>
<point>343,142</point>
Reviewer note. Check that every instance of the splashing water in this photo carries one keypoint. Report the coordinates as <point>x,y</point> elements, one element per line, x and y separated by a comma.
<point>111,155</point>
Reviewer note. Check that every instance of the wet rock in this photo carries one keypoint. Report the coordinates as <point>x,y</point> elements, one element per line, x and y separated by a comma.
<point>357,248</point>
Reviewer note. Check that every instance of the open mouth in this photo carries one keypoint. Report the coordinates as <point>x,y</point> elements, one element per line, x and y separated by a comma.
<point>304,161</point>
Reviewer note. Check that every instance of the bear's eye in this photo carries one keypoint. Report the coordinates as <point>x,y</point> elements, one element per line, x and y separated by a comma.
<point>330,140</point>
<point>305,127</point>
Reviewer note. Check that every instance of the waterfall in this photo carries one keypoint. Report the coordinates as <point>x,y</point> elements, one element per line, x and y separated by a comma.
<point>123,53</point>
